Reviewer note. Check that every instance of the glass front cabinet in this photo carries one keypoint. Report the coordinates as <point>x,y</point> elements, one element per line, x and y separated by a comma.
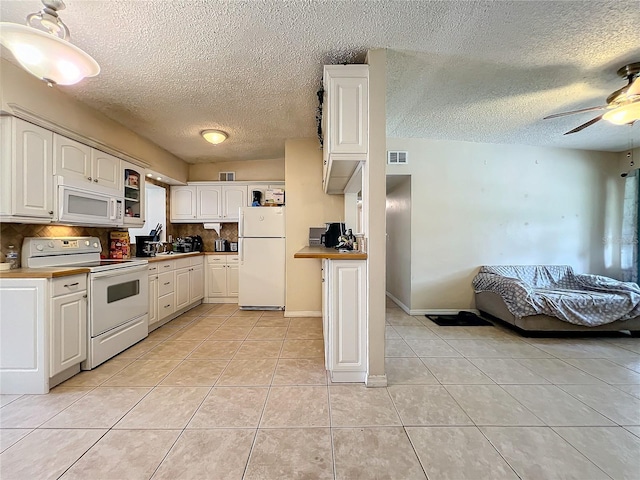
<point>133,194</point>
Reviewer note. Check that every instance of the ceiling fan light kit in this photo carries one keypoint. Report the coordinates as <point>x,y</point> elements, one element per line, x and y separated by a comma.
<point>623,104</point>
<point>42,47</point>
<point>214,136</point>
<point>623,115</point>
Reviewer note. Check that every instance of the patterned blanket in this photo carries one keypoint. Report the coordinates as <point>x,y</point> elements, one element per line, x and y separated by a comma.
<point>555,290</point>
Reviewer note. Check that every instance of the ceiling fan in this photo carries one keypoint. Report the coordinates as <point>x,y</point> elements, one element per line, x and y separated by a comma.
<point>623,105</point>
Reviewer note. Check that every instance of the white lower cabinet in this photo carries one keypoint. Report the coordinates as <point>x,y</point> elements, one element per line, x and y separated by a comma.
<point>345,319</point>
<point>175,285</point>
<point>221,279</point>
<point>44,332</point>
<point>153,294</point>
<point>68,331</point>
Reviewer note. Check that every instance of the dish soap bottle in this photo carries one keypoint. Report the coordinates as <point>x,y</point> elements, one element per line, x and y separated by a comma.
<point>12,257</point>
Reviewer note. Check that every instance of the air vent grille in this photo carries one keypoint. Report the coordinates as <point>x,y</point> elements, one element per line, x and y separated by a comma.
<point>395,157</point>
<point>226,176</point>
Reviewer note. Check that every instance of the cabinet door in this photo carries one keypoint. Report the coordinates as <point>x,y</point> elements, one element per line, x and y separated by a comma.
<point>232,280</point>
<point>326,288</point>
<point>348,115</point>
<point>134,194</point>
<point>34,170</point>
<point>196,283</point>
<point>234,198</point>
<point>153,299</point>
<point>216,280</point>
<point>68,331</point>
<point>71,159</point>
<point>182,288</point>
<point>209,202</point>
<point>183,203</point>
<point>347,304</point>
<point>106,170</point>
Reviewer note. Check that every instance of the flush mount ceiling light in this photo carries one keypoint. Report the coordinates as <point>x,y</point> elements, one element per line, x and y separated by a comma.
<point>43,49</point>
<point>214,136</point>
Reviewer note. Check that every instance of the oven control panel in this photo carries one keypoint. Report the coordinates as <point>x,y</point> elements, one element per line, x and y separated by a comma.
<point>48,246</point>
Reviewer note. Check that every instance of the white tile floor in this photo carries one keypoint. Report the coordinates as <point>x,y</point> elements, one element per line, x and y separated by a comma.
<point>221,393</point>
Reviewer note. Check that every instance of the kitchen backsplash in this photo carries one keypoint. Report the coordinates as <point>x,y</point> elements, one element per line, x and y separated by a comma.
<point>228,231</point>
<point>14,233</point>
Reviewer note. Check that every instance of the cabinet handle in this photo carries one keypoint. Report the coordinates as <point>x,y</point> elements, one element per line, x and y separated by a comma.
<point>50,212</point>
<point>89,178</point>
<point>167,283</point>
<point>325,162</point>
<point>95,180</point>
<point>167,306</point>
<point>167,266</point>
<point>84,296</point>
<point>69,285</point>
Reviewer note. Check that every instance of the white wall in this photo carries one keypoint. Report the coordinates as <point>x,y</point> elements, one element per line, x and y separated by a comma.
<point>481,204</point>
<point>307,206</point>
<point>399,238</point>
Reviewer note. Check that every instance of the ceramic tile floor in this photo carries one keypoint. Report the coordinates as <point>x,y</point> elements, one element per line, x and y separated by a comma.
<point>222,393</point>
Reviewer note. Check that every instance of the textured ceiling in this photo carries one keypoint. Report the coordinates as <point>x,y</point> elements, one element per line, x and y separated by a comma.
<point>466,70</point>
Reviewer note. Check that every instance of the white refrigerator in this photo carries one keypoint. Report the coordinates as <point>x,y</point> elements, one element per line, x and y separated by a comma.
<point>261,247</point>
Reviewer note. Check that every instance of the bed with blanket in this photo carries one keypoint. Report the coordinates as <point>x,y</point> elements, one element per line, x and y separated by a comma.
<point>554,298</point>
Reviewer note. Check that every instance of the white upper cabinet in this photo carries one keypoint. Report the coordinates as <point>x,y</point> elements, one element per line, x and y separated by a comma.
<point>26,171</point>
<point>183,204</point>
<point>235,196</point>
<point>106,169</point>
<point>75,160</point>
<point>208,202</point>
<point>345,123</point>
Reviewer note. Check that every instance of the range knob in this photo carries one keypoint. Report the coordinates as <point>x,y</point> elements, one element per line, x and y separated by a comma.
<point>95,244</point>
<point>39,247</point>
<point>86,242</point>
<point>50,245</point>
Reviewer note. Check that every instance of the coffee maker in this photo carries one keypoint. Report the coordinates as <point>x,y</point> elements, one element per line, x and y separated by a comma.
<point>197,243</point>
<point>144,246</point>
<point>331,237</point>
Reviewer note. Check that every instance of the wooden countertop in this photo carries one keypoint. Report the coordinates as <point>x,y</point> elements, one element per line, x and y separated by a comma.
<point>52,272</point>
<point>174,256</point>
<point>221,253</point>
<point>330,253</point>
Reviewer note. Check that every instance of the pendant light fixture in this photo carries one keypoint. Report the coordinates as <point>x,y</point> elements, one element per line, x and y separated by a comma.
<point>42,47</point>
<point>214,136</point>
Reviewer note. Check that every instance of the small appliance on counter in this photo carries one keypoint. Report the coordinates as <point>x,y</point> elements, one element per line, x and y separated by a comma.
<point>315,236</point>
<point>197,243</point>
<point>331,237</point>
<point>145,246</point>
<point>221,245</point>
<point>233,246</point>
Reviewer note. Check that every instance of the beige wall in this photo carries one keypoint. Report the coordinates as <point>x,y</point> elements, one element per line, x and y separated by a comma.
<point>374,187</point>
<point>307,206</point>
<point>52,105</point>
<point>482,204</point>
<point>259,170</point>
<point>399,239</point>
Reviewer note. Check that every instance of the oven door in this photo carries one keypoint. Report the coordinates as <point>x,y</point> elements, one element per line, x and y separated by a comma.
<point>116,297</point>
<point>88,208</point>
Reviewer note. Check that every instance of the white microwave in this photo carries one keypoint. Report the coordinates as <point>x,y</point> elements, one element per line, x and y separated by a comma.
<point>79,205</point>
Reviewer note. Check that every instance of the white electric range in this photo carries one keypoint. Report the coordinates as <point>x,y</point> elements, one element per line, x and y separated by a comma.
<point>118,291</point>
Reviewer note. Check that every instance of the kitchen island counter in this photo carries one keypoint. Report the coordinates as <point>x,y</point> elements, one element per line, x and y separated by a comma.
<point>329,253</point>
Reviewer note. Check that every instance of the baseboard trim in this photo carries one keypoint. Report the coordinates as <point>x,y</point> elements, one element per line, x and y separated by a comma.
<point>376,381</point>
<point>442,311</point>
<point>302,313</point>
<point>399,303</point>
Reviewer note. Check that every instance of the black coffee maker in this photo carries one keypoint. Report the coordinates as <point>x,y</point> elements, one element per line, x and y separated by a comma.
<point>331,237</point>
<point>197,243</point>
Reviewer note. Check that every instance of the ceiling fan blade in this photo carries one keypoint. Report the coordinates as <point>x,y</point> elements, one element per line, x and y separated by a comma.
<point>582,110</point>
<point>585,125</point>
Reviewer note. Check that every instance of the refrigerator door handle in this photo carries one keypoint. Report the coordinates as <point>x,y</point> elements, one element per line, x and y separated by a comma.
<point>241,248</point>
<point>241,223</point>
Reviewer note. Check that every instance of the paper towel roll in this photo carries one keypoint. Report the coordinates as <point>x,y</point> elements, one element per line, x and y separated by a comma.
<point>212,226</point>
